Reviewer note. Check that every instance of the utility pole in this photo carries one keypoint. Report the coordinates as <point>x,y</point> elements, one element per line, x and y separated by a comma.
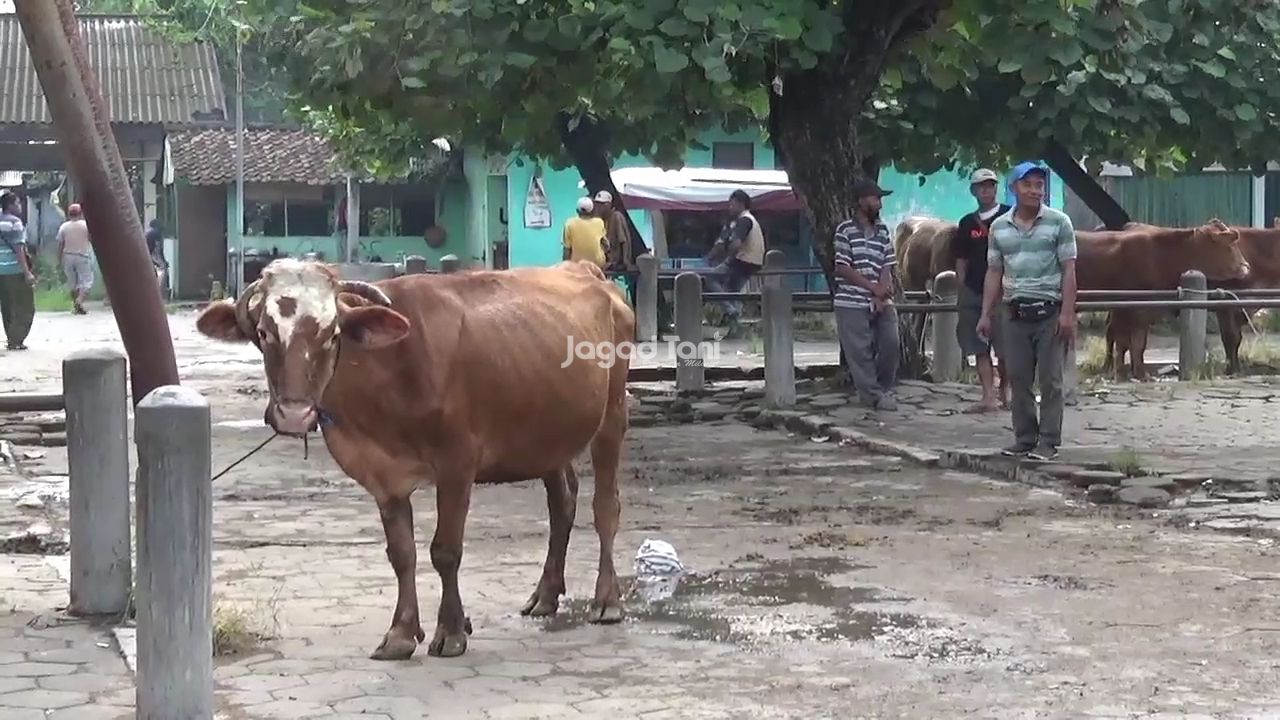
<point>238,268</point>
<point>83,128</point>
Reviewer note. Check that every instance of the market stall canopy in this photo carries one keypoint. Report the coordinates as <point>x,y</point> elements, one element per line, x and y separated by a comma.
<point>702,189</point>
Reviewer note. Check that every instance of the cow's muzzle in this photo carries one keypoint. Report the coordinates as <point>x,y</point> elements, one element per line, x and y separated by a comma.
<point>294,419</point>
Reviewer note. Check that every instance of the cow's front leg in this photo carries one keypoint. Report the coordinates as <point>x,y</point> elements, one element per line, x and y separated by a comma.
<point>453,499</point>
<point>405,633</point>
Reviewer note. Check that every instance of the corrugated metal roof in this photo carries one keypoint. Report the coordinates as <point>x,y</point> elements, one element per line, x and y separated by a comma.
<point>271,155</point>
<point>145,77</point>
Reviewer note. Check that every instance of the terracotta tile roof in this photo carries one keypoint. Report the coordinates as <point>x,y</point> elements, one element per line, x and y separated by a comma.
<point>144,76</point>
<point>208,157</point>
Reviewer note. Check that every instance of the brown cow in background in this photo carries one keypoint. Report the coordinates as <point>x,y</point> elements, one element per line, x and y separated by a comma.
<point>923,247</point>
<point>1147,257</point>
<point>1261,248</point>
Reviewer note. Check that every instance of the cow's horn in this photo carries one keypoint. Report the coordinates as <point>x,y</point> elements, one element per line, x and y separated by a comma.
<point>367,291</point>
<point>247,325</point>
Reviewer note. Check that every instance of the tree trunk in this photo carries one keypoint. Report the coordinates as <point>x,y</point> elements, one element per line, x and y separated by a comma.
<point>587,141</point>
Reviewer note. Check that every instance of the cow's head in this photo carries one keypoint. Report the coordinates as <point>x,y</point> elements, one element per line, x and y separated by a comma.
<point>299,314</point>
<point>1216,252</point>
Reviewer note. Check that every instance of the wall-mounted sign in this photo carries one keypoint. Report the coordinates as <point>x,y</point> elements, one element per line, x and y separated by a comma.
<point>537,210</point>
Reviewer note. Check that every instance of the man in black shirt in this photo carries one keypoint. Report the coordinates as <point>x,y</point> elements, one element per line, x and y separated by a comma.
<point>969,251</point>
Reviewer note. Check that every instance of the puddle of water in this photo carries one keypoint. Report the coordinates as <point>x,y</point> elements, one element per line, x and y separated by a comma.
<point>747,606</point>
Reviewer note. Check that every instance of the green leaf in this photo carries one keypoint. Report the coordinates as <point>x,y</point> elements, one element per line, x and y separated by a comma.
<point>1246,112</point>
<point>1099,103</point>
<point>1227,53</point>
<point>1213,68</point>
<point>1009,65</point>
<point>789,28</point>
<point>1036,74</point>
<point>676,27</point>
<point>410,81</point>
<point>1067,54</point>
<point>667,61</point>
<point>819,38</point>
<point>520,60</point>
<point>1180,116</point>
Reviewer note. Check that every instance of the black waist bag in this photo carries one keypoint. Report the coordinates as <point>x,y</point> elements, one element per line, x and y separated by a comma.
<point>1032,310</point>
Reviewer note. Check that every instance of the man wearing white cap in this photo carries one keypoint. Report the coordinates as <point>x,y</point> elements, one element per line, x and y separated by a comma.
<point>969,252</point>
<point>584,235</point>
<point>617,239</point>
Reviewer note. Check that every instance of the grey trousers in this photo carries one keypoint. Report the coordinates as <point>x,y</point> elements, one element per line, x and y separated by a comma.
<point>870,343</point>
<point>1029,346</point>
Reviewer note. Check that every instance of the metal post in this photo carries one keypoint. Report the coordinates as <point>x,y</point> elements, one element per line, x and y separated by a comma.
<point>690,372</point>
<point>779,335</point>
<point>175,556</point>
<point>82,123</point>
<point>948,361</point>
<point>450,264</point>
<point>95,385</point>
<point>647,298</point>
<point>1192,347</point>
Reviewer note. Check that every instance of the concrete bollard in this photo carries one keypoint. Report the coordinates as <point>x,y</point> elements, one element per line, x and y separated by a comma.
<point>779,335</point>
<point>1192,348</point>
<point>647,298</point>
<point>175,556</point>
<point>94,385</point>
<point>690,372</point>
<point>450,264</point>
<point>948,361</point>
<point>415,265</point>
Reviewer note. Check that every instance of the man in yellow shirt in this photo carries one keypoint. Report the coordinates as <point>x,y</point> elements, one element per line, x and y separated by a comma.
<point>584,235</point>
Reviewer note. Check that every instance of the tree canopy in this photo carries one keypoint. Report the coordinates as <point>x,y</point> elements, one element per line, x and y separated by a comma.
<point>1165,82</point>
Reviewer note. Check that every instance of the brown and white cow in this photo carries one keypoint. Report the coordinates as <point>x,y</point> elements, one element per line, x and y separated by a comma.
<point>449,380</point>
<point>1261,248</point>
<point>1147,257</point>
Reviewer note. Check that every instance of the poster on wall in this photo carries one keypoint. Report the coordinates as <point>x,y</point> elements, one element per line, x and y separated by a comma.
<point>537,211</point>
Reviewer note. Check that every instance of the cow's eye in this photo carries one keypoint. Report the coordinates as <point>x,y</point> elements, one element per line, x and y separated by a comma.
<point>262,336</point>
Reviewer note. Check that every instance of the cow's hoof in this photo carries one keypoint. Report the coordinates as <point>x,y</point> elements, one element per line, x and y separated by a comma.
<point>607,615</point>
<point>395,647</point>
<point>540,605</point>
<point>445,645</point>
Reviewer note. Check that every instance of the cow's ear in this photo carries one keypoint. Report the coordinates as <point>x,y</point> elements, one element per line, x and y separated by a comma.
<point>351,301</point>
<point>374,326</point>
<point>218,321</point>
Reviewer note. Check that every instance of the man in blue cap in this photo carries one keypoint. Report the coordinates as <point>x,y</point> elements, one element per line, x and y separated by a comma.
<point>1031,260</point>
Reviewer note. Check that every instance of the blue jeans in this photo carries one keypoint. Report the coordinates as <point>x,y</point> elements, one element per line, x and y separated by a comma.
<point>730,276</point>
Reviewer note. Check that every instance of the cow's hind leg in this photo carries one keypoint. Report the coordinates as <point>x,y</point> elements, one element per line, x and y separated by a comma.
<point>562,507</point>
<point>606,454</point>
<point>405,633</point>
<point>453,501</point>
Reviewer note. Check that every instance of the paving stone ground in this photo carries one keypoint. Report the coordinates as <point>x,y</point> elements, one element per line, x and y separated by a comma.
<point>822,576</point>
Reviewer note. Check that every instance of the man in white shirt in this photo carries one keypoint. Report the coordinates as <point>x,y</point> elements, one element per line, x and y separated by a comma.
<point>75,255</point>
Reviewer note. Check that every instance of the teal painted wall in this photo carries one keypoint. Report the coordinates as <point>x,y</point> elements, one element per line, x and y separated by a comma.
<point>943,194</point>
<point>542,246</point>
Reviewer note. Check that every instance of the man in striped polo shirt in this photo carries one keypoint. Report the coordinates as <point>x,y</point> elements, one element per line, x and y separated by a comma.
<point>1031,260</point>
<point>865,317</point>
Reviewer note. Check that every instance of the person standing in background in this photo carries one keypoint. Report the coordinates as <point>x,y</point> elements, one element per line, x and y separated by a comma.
<point>17,279</point>
<point>75,256</point>
<point>866,321</point>
<point>969,253</point>
<point>584,235</point>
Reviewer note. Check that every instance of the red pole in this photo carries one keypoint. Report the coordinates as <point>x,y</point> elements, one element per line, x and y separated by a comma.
<point>83,129</point>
